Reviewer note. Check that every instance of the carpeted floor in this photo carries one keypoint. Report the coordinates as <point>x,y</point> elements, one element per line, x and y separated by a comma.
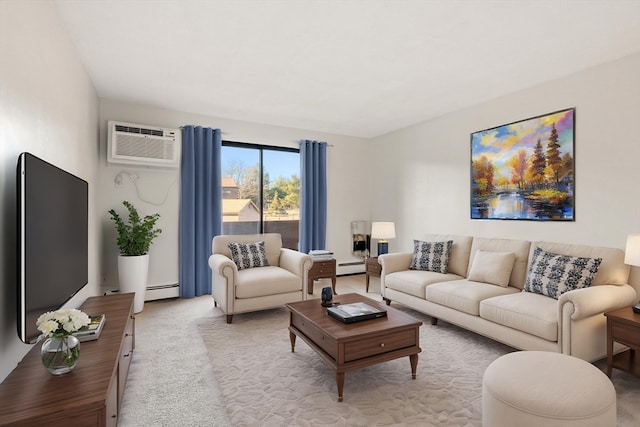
<point>266,384</point>
<point>191,368</point>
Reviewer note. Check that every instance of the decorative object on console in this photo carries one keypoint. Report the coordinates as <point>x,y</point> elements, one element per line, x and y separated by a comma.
<point>60,350</point>
<point>327,297</point>
<point>524,170</point>
<point>321,254</point>
<point>632,251</point>
<point>361,239</point>
<point>383,231</point>
<point>134,240</point>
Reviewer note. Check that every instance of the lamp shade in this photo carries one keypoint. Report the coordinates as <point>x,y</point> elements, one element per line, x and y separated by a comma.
<point>383,230</point>
<point>632,251</point>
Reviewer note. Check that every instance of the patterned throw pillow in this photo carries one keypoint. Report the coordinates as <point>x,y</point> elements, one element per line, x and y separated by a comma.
<point>431,256</point>
<point>554,274</point>
<point>248,255</point>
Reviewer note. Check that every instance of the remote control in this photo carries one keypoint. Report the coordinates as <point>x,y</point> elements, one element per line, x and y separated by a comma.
<point>636,308</point>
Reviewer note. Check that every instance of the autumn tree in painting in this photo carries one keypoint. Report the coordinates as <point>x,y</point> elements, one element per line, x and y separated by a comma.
<point>483,176</point>
<point>554,162</point>
<point>538,165</point>
<point>518,165</point>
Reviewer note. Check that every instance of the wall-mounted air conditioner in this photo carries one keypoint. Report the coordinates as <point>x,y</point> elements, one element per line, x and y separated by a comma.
<point>143,145</point>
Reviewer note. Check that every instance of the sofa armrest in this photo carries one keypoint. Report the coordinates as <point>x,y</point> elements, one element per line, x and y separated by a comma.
<point>296,262</point>
<point>224,274</point>
<point>393,262</point>
<point>596,299</point>
<point>397,261</point>
<point>220,264</point>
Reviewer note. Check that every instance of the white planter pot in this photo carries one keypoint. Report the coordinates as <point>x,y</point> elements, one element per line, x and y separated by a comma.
<point>132,275</point>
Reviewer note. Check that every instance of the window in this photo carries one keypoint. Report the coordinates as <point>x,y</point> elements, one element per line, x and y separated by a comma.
<point>261,190</point>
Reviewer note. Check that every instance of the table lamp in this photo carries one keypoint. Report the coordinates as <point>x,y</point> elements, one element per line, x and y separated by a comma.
<point>632,251</point>
<point>383,231</point>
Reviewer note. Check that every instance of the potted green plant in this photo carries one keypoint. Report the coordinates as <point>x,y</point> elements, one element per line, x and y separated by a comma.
<point>134,240</point>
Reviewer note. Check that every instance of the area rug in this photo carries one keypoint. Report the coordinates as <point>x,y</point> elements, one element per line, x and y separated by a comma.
<point>264,383</point>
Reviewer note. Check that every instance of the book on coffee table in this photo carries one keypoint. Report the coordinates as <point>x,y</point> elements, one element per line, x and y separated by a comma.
<point>355,312</point>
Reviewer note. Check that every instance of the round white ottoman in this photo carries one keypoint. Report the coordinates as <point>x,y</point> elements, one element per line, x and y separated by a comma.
<point>539,389</point>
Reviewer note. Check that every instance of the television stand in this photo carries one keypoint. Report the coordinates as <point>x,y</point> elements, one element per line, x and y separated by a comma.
<point>91,394</point>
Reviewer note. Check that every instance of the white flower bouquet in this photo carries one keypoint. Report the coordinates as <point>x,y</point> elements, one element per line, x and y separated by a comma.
<point>61,323</point>
<point>60,350</point>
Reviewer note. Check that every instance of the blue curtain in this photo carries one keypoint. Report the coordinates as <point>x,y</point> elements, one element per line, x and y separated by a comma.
<point>313,195</point>
<point>200,207</point>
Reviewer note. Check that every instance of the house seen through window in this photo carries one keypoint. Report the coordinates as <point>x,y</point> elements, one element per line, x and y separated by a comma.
<point>261,190</point>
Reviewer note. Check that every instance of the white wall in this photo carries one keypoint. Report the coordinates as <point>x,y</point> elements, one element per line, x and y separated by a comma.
<point>48,106</point>
<point>347,166</point>
<point>426,186</point>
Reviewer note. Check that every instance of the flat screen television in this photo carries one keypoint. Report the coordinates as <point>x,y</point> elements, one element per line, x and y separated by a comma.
<point>53,239</point>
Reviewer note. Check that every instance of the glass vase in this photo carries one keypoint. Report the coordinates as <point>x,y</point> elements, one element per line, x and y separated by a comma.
<point>60,354</point>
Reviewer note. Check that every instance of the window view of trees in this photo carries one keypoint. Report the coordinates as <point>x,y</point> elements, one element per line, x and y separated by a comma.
<point>524,170</point>
<point>261,190</point>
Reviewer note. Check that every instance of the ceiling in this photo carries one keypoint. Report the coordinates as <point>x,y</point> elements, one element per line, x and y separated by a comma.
<point>359,68</point>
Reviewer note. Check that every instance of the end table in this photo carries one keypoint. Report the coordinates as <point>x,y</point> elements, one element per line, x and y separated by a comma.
<point>322,269</point>
<point>623,326</point>
<point>372,268</point>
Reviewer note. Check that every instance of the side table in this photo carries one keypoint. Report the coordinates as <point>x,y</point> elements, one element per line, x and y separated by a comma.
<point>623,326</point>
<point>372,268</point>
<point>322,269</point>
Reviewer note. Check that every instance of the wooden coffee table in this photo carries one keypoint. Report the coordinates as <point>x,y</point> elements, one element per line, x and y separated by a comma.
<point>346,347</point>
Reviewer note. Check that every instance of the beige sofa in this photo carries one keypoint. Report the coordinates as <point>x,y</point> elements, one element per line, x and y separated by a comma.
<point>236,290</point>
<point>573,324</point>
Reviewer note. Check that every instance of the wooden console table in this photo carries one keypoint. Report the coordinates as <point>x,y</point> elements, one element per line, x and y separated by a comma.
<point>91,394</point>
<point>623,326</point>
<point>323,269</point>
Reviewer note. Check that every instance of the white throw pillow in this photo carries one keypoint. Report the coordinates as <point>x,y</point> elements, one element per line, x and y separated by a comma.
<point>492,267</point>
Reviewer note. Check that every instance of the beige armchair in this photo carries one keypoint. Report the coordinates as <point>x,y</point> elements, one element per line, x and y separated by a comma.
<point>257,288</point>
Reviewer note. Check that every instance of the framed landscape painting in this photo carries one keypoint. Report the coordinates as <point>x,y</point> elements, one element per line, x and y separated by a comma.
<point>525,170</point>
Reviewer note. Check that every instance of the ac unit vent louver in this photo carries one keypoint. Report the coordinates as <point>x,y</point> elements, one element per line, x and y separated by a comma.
<point>133,144</point>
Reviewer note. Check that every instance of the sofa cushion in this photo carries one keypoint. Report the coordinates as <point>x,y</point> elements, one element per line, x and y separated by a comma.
<point>414,282</point>
<point>464,295</point>
<point>460,250</point>
<point>612,269</point>
<point>431,256</point>
<point>553,274</point>
<point>492,267</point>
<point>271,280</point>
<point>248,255</point>
<point>524,311</point>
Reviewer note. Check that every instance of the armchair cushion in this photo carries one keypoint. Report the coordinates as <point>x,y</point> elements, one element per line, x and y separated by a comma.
<point>270,280</point>
<point>248,255</point>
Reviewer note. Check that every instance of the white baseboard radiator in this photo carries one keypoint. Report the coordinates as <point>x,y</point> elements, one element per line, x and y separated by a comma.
<point>162,292</point>
<point>346,268</point>
<point>156,292</point>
